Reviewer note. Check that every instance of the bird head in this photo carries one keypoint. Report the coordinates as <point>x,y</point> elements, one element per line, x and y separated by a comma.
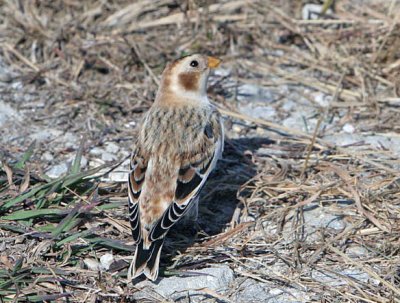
<point>187,76</point>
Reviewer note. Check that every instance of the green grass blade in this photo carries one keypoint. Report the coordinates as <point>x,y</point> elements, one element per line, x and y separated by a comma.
<point>26,156</point>
<point>73,237</point>
<point>54,185</point>
<point>49,297</point>
<point>32,192</point>
<point>13,228</point>
<point>62,226</point>
<point>28,214</point>
<point>17,266</point>
<point>76,165</point>
<point>109,243</point>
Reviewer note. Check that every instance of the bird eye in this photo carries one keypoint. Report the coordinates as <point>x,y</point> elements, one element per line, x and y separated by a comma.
<point>194,63</point>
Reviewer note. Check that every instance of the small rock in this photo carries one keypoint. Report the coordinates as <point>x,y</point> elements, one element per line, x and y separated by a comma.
<point>108,157</point>
<point>92,264</point>
<point>3,246</point>
<point>130,124</point>
<point>262,112</point>
<point>117,176</point>
<point>124,153</point>
<point>334,280</point>
<point>84,161</point>
<point>175,288</point>
<point>313,11</point>
<point>369,141</point>
<point>60,169</point>
<point>7,113</point>
<point>252,92</point>
<point>96,151</point>
<point>315,218</point>
<point>57,170</point>
<point>112,147</point>
<point>42,135</point>
<point>247,90</point>
<point>104,154</point>
<point>348,128</point>
<point>322,99</point>
<point>47,156</point>
<point>222,72</point>
<point>356,251</point>
<point>251,291</point>
<point>236,128</point>
<point>70,140</point>
<point>106,261</point>
<point>19,240</point>
<point>318,216</point>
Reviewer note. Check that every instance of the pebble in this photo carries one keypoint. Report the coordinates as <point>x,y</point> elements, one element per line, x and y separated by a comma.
<point>177,287</point>
<point>106,260</point>
<point>348,128</point>
<point>108,157</point>
<point>47,156</point>
<point>92,264</point>
<point>111,147</point>
<point>57,170</point>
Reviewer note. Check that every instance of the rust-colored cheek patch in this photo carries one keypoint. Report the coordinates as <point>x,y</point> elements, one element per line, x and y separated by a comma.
<point>189,81</point>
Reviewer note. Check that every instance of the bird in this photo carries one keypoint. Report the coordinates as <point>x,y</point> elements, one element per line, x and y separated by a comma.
<point>178,144</point>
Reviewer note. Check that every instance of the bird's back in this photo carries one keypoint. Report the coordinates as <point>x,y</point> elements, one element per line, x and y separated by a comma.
<point>168,148</point>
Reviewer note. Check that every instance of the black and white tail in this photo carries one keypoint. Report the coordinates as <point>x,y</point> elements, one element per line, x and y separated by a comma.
<point>146,261</point>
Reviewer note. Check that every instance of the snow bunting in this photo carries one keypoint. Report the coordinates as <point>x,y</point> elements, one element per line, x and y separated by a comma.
<point>178,145</point>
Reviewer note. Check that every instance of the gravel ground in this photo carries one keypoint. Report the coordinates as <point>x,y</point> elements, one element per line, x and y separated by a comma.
<point>303,207</point>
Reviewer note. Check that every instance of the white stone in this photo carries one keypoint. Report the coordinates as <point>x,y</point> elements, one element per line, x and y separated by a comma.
<point>348,128</point>
<point>130,124</point>
<point>251,291</point>
<point>106,260</point>
<point>236,128</point>
<point>45,134</point>
<point>62,168</point>
<point>322,99</point>
<point>370,141</point>
<point>7,113</point>
<point>222,72</point>
<point>335,280</point>
<point>264,112</point>
<point>356,251</point>
<point>92,264</point>
<point>247,90</point>
<point>111,147</point>
<point>117,176</point>
<point>47,156</point>
<point>83,164</point>
<point>57,170</point>
<point>96,151</point>
<point>108,157</point>
<point>70,140</point>
<point>176,287</point>
<point>315,218</point>
<point>312,11</point>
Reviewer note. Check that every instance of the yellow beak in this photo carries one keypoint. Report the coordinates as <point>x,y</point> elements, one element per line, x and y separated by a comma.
<point>213,62</point>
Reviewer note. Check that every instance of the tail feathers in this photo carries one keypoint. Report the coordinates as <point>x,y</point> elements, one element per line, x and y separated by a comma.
<point>146,261</point>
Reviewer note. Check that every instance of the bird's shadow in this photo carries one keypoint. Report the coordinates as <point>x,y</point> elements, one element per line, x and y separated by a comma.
<point>218,199</point>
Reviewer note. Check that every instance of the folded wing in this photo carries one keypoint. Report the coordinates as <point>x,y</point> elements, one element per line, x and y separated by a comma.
<point>195,168</point>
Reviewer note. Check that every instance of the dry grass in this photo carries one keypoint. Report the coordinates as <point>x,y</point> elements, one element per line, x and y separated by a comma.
<point>97,63</point>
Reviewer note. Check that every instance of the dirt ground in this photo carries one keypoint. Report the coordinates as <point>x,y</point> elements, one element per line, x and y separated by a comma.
<point>303,207</point>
